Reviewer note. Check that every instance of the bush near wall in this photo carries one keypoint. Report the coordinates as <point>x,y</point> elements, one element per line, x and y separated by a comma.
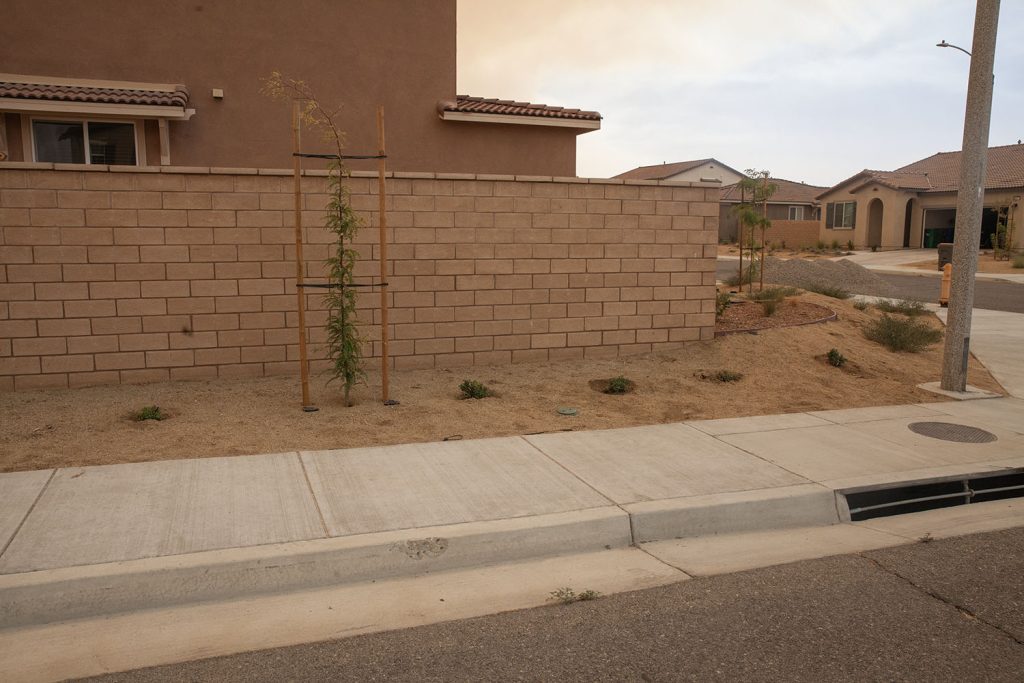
<point>133,275</point>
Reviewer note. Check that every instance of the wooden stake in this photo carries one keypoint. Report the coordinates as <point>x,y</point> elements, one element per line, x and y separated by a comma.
<point>383,222</point>
<point>297,165</point>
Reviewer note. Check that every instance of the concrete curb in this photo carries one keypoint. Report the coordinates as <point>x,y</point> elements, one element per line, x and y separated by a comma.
<point>720,513</point>
<point>91,590</point>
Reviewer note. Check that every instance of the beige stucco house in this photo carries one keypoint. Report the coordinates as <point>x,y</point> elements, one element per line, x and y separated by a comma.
<point>791,201</point>
<point>697,170</point>
<point>915,206</point>
<point>128,83</point>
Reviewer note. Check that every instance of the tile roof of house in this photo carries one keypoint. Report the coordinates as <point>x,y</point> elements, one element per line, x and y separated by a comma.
<point>1005,169</point>
<point>480,105</point>
<point>661,171</point>
<point>82,93</point>
<point>941,172</point>
<point>786,192</point>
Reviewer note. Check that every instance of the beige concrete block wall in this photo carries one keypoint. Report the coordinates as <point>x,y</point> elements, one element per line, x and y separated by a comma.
<point>794,234</point>
<point>120,275</point>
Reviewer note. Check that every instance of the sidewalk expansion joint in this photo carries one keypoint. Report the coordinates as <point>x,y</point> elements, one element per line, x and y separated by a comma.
<point>965,612</point>
<point>312,494</point>
<point>32,507</point>
<point>640,547</point>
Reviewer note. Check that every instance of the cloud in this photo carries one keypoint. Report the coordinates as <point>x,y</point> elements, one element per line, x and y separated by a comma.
<point>821,87</point>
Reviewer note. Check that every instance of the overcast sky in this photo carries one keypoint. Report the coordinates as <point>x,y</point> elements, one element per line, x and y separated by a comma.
<point>813,90</point>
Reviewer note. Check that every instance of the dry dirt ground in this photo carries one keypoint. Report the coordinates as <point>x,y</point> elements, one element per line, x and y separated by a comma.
<point>783,371</point>
<point>986,264</point>
<point>733,250</point>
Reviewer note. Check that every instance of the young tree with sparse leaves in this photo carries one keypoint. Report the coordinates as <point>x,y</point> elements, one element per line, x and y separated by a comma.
<point>344,342</point>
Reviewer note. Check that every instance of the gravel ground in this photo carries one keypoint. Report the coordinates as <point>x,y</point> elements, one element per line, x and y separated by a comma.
<point>842,273</point>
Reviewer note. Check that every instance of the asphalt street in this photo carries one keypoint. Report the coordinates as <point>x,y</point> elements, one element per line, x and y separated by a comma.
<point>942,610</point>
<point>988,294</point>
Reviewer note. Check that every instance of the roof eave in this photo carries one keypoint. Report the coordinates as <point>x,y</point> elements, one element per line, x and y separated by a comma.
<point>521,120</point>
<point>96,108</point>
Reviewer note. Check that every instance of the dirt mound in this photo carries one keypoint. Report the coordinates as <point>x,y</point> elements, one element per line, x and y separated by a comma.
<point>842,273</point>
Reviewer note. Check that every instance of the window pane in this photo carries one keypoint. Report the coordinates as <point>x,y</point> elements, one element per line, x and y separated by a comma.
<point>56,142</point>
<point>112,143</point>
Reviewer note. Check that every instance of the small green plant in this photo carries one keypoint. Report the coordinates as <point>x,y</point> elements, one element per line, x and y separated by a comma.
<point>860,305</point>
<point>821,244</point>
<point>618,385</point>
<point>835,359</point>
<point>726,376</point>
<point>471,388</point>
<point>835,245</point>
<point>903,306</point>
<point>833,291</point>
<point>567,595</point>
<point>849,245</point>
<point>148,413</point>
<point>721,303</point>
<point>769,306</point>
<point>902,334</point>
<point>1018,261</point>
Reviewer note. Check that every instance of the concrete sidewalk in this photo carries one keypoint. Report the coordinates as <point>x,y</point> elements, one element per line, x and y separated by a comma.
<point>895,262</point>
<point>82,541</point>
<point>115,567</point>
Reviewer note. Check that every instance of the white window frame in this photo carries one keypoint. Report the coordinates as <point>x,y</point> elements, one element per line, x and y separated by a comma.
<point>137,126</point>
<point>843,203</point>
<point>796,213</point>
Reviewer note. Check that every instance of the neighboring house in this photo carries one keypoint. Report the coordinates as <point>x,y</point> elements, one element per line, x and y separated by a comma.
<point>696,170</point>
<point>122,82</point>
<point>915,206</point>
<point>792,201</point>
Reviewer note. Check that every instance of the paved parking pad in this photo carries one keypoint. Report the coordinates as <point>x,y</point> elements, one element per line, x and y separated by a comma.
<point>362,490</point>
<point>659,461</point>
<point>90,515</point>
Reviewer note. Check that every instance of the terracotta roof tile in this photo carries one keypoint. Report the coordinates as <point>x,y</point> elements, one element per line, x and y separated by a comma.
<point>786,192</point>
<point>1005,169</point>
<point>80,93</point>
<point>941,172</point>
<point>661,171</point>
<point>480,105</point>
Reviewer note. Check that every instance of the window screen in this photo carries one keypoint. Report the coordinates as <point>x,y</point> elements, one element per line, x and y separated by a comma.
<point>111,143</point>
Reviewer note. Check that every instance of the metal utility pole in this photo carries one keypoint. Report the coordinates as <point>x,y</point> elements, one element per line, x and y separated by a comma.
<point>969,198</point>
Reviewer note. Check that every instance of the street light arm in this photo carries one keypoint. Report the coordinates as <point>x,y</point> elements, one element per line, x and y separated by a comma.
<point>956,47</point>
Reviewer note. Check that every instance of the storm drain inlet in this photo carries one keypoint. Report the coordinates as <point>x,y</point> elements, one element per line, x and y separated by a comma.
<point>898,499</point>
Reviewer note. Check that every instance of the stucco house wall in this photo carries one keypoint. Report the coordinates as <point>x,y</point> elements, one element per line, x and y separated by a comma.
<point>391,52</point>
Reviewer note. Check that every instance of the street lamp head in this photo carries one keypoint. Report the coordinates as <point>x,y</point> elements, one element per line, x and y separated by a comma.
<point>955,47</point>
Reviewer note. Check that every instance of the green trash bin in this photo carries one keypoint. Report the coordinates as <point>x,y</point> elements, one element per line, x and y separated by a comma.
<point>945,254</point>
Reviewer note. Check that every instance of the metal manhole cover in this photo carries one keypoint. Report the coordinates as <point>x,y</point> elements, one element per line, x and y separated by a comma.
<point>948,431</point>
